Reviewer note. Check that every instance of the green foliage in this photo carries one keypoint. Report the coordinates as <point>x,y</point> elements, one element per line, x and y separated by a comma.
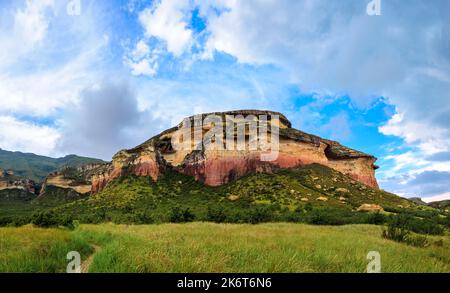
<point>216,214</point>
<point>417,240</point>
<point>260,214</point>
<point>256,198</point>
<point>181,215</point>
<point>222,248</point>
<point>446,221</point>
<point>49,218</point>
<point>376,219</point>
<point>399,229</point>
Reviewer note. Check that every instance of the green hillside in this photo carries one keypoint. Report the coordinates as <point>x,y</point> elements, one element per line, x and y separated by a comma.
<point>281,196</point>
<point>35,167</point>
<point>443,204</point>
<point>312,194</point>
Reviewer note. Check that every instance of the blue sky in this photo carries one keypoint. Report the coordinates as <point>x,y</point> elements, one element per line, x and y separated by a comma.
<point>124,70</point>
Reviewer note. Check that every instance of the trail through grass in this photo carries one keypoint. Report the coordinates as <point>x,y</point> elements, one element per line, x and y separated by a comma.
<point>280,247</point>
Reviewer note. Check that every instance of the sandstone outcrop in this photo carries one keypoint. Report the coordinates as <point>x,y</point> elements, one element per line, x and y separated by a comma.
<point>216,166</point>
<point>77,179</point>
<point>370,208</point>
<point>23,184</point>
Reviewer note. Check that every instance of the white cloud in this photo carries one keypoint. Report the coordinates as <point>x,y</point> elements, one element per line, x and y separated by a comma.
<point>143,67</point>
<point>27,137</point>
<point>334,47</point>
<point>30,24</point>
<point>27,30</point>
<point>429,139</point>
<point>141,50</point>
<point>439,197</point>
<point>167,20</point>
<point>49,58</point>
<point>106,119</point>
<point>142,60</point>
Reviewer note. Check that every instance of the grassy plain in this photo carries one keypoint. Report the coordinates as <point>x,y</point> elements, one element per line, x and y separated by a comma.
<point>209,247</point>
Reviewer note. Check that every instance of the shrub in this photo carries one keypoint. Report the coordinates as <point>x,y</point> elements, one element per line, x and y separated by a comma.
<point>296,216</point>
<point>376,219</point>
<point>141,217</point>
<point>51,219</point>
<point>447,221</point>
<point>216,214</point>
<point>260,214</point>
<point>396,231</point>
<point>334,216</point>
<point>399,229</point>
<point>426,227</point>
<point>181,215</point>
<point>417,240</point>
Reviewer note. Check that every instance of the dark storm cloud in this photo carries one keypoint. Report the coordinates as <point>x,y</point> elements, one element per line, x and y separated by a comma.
<point>106,120</point>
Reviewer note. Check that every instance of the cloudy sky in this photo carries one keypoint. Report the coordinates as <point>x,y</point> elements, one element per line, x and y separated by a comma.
<point>104,75</point>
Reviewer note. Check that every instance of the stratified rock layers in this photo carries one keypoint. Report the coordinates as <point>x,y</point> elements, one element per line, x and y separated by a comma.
<point>217,167</point>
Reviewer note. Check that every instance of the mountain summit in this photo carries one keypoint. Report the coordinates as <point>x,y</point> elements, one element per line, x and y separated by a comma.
<point>215,163</point>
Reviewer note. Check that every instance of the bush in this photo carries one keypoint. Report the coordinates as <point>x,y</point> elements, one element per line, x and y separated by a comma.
<point>47,219</point>
<point>216,214</point>
<point>376,219</point>
<point>296,216</point>
<point>334,216</point>
<point>180,215</point>
<point>399,229</point>
<point>424,226</point>
<point>418,241</point>
<point>141,217</point>
<point>260,214</point>
<point>428,226</point>
<point>447,221</point>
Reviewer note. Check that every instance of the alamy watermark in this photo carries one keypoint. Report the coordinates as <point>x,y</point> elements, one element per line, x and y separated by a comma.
<point>230,133</point>
<point>74,265</point>
<point>374,8</point>
<point>73,7</point>
<point>374,265</point>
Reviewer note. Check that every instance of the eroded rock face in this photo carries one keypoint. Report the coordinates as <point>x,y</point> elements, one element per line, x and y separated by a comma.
<point>23,184</point>
<point>144,160</point>
<point>61,181</point>
<point>78,179</point>
<point>215,167</point>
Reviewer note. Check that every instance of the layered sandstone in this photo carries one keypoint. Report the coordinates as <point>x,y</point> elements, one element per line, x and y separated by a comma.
<point>215,167</point>
<point>77,179</point>
<point>61,181</point>
<point>23,184</point>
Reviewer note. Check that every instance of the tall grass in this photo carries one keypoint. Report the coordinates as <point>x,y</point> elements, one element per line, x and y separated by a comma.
<point>33,250</point>
<point>279,247</point>
<point>208,247</point>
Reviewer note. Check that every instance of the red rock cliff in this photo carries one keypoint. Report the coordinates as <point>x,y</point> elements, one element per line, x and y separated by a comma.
<point>219,166</point>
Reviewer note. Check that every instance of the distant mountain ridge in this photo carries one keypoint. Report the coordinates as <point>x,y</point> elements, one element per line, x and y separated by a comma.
<point>36,167</point>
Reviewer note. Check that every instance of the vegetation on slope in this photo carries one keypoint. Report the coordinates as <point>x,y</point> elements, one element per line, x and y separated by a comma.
<point>311,194</point>
<point>294,195</point>
<point>35,167</point>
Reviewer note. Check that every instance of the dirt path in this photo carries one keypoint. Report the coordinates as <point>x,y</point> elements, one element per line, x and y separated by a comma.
<point>86,264</point>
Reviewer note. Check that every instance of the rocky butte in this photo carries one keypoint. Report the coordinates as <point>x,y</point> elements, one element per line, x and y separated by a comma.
<point>215,167</point>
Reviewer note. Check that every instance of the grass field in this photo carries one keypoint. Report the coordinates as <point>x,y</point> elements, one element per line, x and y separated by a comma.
<point>208,247</point>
